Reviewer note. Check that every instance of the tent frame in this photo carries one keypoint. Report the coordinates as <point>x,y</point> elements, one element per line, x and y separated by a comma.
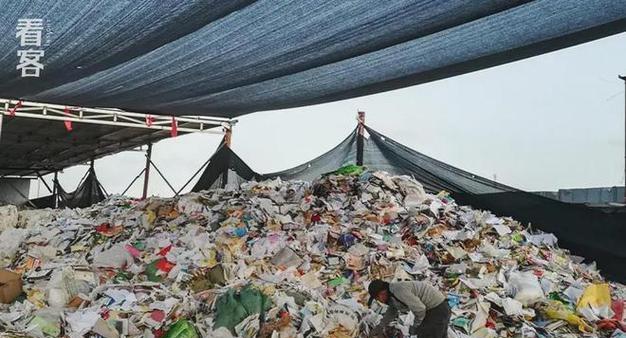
<point>110,116</point>
<point>113,117</point>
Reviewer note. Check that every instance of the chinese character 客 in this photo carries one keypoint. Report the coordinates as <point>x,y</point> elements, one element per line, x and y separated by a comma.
<point>29,62</point>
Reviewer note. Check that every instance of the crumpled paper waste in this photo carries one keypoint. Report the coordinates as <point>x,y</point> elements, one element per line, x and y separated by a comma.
<point>292,259</point>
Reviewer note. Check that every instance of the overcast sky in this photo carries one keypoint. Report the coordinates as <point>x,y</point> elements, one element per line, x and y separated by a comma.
<point>544,123</point>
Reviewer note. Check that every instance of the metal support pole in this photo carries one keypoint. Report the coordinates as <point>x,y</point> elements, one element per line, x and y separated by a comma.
<point>1,118</point>
<point>133,181</point>
<point>44,183</point>
<point>194,176</point>
<point>224,179</point>
<point>623,78</point>
<point>163,177</point>
<point>55,189</point>
<point>359,138</point>
<point>106,194</point>
<point>146,176</point>
<point>228,134</point>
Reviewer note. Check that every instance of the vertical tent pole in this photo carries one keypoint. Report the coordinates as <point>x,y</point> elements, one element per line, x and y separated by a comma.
<point>228,135</point>
<point>624,79</point>
<point>55,189</point>
<point>146,176</point>
<point>359,138</point>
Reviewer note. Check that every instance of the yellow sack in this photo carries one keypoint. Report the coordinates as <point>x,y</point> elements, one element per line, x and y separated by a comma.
<point>596,296</point>
<point>556,310</point>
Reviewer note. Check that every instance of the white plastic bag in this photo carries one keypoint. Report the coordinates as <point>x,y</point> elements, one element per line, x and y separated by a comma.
<point>526,288</point>
<point>116,257</point>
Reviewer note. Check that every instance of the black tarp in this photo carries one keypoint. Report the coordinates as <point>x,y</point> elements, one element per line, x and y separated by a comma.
<point>88,192</point>
<point>41,202</point>
<point>592,233</point>
<point>224,169</point>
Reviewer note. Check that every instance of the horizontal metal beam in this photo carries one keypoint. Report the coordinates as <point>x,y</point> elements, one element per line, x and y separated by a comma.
<point>14,177</point>
<point>111,117</point>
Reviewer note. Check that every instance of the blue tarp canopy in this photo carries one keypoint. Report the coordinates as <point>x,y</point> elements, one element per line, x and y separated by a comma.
<point>231,57</point>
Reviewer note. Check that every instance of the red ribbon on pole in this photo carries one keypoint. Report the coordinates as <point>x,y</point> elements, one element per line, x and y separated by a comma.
<point>14,109</point>
<point>68,123</point>
<point>149,120</point>
<point>174,131</point>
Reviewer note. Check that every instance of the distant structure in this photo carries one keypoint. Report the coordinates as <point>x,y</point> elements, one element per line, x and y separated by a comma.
<point>593,196</point>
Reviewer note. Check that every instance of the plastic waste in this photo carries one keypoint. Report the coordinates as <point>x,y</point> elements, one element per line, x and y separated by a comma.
<point>526,287</point>
<point>556,310</point>
<point>293,259</point>
<point>182,329</point>
<point>597,296</point>
<point>116,257</point>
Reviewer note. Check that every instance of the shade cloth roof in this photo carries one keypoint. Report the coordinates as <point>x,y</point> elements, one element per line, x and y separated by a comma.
<point>231,57</point>
<point>32,146</point>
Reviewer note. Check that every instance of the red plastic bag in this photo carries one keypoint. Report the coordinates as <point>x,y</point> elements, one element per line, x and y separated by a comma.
<point>164,265</point>
<point>165,250</point>
<point>618,309</point>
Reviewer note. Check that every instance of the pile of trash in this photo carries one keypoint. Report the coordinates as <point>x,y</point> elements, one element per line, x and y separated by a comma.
<point>289,259</point>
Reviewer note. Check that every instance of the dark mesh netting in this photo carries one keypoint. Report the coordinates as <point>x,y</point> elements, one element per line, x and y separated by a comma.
<point>41,202</point>
<point>343,154</point>
<point>224,170</point>
<point>88,192</point>
<point>382,153</point>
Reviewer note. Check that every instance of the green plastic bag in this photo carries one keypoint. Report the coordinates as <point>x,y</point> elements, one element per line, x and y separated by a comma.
<point>350,169</point>
<point>229,311</point>
<point>182,329</point>
<point>253,300</point>
<point>233,308</point>
<point>337,281</point>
